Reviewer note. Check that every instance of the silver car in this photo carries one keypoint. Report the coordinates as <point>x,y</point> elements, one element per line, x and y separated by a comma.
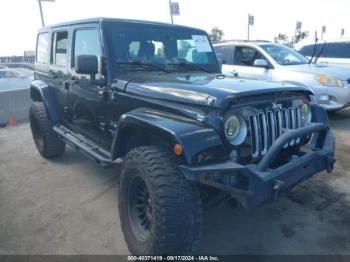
<point>268,61</point>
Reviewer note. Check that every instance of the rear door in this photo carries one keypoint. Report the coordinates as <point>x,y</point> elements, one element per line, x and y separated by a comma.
<point>58,69</point>
<point>224,53</point>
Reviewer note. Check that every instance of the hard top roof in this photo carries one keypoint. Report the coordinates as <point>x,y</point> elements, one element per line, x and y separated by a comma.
<point>103,19</point>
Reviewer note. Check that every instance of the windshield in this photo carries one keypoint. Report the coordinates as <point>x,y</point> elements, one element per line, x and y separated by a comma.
<point>134,46</point>
<point>284,55</point>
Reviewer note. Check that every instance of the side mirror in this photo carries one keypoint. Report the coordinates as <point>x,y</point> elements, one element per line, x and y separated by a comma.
<point>87,65</point>
<point>260,63</point>
<point>220,62</point>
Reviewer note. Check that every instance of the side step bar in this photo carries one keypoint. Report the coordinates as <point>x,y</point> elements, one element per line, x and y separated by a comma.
<point>86,146</point>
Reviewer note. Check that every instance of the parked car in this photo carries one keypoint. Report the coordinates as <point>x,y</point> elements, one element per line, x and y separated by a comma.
<point>335,53</point>
<point>127,93</point>
<point>14,78</point>
<point>268,61</point>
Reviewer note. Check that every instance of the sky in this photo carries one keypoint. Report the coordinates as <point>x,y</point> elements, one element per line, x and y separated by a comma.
<point>20,19</point>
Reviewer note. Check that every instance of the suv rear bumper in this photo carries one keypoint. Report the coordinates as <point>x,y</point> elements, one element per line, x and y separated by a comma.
<point>255,184</point>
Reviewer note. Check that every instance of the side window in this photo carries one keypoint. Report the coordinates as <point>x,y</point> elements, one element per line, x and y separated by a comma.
<point>187,50</point>
<point>306,50</point>
<point>310,49</point>
<point>86,43</point>
<point>158,50</point>
<point>146,51</point>
<point>134,48</point>
<point>336,50</point>
<point>59,56</point>
<point>42,48</point>
<point>245,56</point>
<point>225,53</point>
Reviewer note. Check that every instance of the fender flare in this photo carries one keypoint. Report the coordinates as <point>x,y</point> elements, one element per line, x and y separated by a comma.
<point>194,137</point>
<point>39,91</point>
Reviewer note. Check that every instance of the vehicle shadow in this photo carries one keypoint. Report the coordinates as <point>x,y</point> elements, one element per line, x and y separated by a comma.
<point>312,219</point>
<point>340,120</point>
<point>106,177</point>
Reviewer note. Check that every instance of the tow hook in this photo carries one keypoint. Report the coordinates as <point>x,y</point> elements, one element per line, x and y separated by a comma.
<point>277,189</point>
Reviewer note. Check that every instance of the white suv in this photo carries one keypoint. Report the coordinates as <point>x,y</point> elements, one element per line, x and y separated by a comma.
<point>268,61</point>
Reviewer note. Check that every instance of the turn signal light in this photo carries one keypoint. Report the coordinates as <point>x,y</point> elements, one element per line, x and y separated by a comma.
<point>178,149</point>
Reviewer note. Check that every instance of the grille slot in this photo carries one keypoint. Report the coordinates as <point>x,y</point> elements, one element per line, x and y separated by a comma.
<point>254,128</point>
<point>263,128</point>
<point>266,127</point>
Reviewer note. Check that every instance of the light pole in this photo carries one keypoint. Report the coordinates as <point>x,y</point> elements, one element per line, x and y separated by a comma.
<point>323,31</point>
<point>41,14</point>
<point>171,13</point>
<point>250,22</point>
<point>248,28</point>
<point>174,10</point>
<point>41,10</point>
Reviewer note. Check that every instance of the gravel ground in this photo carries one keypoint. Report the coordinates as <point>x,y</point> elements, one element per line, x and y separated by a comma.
<point>68,206</point>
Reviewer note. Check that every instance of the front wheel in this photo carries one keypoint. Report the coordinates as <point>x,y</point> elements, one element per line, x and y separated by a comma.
<point>160,211</point>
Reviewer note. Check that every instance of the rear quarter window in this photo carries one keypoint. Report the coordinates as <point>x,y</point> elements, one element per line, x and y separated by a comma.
<point>329,50</point>
<point>42,48</point>
<point>225,53</point>
<point>337,50</point>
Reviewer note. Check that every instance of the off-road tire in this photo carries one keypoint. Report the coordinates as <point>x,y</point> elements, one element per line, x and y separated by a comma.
<point>175,203</point>
<point>45,139</point>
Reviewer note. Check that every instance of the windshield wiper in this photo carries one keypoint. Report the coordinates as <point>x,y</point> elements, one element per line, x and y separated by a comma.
<point>143,65</point>
<point>320,53</point>
<point>190,64</point>
<point>314,50</point>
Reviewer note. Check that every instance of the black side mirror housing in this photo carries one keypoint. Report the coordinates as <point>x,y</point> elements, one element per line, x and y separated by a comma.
<point>87,65</point>
<point>219,62</point>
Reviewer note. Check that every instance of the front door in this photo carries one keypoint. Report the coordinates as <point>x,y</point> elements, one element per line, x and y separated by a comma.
<point>89,108</point>
<point>243,64</point>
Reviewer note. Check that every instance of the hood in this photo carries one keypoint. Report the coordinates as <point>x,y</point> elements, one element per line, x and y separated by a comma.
<point>202,89</point>
<point>319,69</point>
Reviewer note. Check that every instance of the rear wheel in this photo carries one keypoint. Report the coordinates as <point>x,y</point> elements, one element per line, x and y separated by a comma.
<point>46,141</point>
<point>160,211</point>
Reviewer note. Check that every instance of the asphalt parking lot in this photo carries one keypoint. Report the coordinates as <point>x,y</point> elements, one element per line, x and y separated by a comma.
<point>68,206</point>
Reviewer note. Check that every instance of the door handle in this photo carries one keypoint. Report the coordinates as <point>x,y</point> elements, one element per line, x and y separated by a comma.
<point>235,73</point>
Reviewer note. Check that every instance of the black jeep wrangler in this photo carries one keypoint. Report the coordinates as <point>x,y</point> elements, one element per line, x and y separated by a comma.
<point>151,97</point>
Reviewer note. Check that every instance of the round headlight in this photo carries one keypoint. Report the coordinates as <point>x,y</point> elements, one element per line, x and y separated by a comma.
<point>305,113</point>
<point>232,126</point>
<point>235,129</point>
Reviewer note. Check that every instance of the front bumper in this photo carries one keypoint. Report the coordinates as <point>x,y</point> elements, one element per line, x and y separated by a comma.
<point>332,98</point>
<point>255,184</point>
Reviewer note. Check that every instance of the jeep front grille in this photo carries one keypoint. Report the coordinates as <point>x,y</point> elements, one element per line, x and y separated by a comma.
<point>266,127</point>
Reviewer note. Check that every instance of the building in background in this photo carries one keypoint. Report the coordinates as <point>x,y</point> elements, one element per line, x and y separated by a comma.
<point>29,53</point>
